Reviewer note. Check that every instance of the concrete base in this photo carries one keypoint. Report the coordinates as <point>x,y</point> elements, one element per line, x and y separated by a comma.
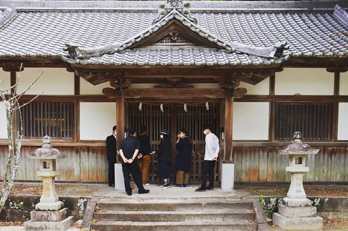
<point>49,206</point>
<point>227,177</point>
<point>297,202</point>
<point>48,215</point>
<point>49,226</point>
<point>119,179</point>
<point>293,212</point>
<point>303,223</point>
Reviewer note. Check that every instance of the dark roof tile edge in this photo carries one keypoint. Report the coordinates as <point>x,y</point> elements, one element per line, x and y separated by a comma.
<point>341,14</point>
<point>9,13</point>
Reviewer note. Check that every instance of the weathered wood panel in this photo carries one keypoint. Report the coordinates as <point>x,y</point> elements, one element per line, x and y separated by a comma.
<point>69,167</point>
<point>329,165</point>
<point>252,164</point>
<point>263,164</point>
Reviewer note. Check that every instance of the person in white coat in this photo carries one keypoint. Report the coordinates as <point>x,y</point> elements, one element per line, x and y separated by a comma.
<point>212,149</point>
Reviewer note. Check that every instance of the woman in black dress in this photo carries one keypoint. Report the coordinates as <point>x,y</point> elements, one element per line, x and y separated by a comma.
<point>164,158</point>
<point>184,159</point>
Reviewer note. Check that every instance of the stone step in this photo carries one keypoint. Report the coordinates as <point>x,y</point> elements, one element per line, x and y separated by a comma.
<point>174,205</point>
<point>174,226</point>
<point>155,216</point>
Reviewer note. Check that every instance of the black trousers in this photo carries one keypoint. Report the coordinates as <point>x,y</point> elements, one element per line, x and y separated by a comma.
<point>111,174</point>
<point>135,170</point>
<point>208,169</point>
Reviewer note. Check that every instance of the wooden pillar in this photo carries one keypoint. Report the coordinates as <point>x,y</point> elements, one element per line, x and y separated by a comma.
<point>228,129</point>
<point>77,107</point>
<point>120,121</point>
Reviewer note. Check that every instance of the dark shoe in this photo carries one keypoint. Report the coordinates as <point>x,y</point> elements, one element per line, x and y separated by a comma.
<point>200,190</point>
<point>129,194</point>
<point>143,191</point>
<point>166,186</point>
<point>180,185</point>
<point>111,185</point>
<point>186,185</point>
<point>210,189</point>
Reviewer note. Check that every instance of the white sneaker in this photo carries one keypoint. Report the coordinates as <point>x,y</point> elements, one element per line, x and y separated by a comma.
<point>147,184</point>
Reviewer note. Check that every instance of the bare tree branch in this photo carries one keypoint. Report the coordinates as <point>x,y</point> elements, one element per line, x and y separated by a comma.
<point>19,107</point>
<point>15,136</point>
<point>28,88</point>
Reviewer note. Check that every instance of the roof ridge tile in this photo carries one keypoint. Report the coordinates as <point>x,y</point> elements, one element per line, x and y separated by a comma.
<point>7,15</point>
<point>341,14</point>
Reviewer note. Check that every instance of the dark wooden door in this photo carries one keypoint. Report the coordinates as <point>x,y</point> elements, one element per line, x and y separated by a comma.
<point>174,117</point>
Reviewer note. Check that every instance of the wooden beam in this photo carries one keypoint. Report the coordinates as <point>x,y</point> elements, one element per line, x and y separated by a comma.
<point>174,93</point>
<point>228,129</point>
<point>272,85</point>
<point>68,98</point>
<point>337,83</point>
<point>76,84</point>
<point>120,121</point>
<point>265,98</point>
<point>77,120</point>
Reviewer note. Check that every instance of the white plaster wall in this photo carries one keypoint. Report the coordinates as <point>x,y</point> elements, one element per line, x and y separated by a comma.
<point>342,121</point>
<point>5,79</point>
<point>3,120</point>
<point>250,121</point>
<point>344,83</point>
<point>54,81</point>
<point>97,120</point>
<point>87,88</point>
<point>261,88</point>
<point>306,81</point>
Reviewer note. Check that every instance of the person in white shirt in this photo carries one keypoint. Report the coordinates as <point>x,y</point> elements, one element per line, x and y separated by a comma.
<point>212,149</point>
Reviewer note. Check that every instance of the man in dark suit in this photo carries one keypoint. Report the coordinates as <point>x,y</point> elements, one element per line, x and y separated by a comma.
<point>112,150</point>
<point>129,152</point>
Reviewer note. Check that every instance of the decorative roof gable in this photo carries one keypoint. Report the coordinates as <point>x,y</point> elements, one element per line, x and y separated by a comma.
<point>174,19</point>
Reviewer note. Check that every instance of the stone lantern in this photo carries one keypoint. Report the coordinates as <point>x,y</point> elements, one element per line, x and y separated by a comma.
<point>49,214</point>
<point>297,212</point>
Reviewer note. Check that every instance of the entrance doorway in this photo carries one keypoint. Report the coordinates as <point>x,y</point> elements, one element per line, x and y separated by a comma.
<point>173,117</point>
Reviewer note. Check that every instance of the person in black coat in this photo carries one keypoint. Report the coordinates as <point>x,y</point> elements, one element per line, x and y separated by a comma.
<point>111,155</point>
<point>129,151</point>
<point>164,158</point>
<point>184,159</point>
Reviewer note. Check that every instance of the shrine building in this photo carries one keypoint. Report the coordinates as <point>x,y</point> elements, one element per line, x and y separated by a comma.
<point>257,71</point>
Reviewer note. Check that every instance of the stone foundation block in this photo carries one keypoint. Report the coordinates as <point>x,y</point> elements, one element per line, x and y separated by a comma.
<point>227,177</point>
<point>297,211</point>
<point>48,215</point>
<point>302,223</point>
<point>297,202</point>
<point>49,206</point>
<point>49,226</point>
<point>119,180</point>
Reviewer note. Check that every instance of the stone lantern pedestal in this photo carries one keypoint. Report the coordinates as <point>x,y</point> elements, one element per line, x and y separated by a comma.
<point>49,214</point>
<point>297,213</point>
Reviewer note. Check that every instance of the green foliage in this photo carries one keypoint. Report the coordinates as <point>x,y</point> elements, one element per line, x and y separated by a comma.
<point>96,208</point>
<point>20,206</point>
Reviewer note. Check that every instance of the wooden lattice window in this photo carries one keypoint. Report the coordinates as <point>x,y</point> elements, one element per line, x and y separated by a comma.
<point>170,39</point>
<point>314,120</point>
<point>55,119</point>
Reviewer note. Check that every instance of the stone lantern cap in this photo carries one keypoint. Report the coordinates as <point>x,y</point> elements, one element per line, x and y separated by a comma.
<point>297,147</point>
<point>46,151</point>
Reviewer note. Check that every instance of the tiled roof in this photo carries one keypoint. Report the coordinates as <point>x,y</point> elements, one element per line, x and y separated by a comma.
<point>44,32</point>
<point>176,56</point>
